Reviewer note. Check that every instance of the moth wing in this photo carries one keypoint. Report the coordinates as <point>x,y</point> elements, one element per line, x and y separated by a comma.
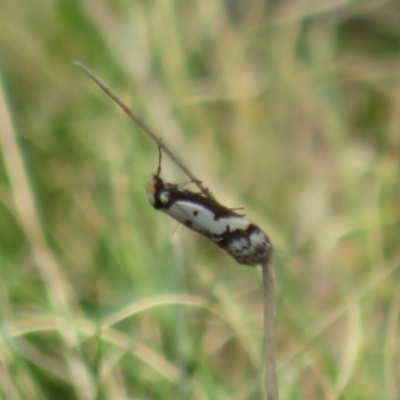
<point>204,221</point>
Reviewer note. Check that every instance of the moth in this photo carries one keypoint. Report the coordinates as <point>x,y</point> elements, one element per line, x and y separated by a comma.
<point>243,240</point>
<point>199,211</point>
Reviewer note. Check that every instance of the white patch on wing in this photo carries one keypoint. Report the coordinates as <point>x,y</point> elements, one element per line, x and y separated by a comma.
<point>237,223</point>
<point>202,220</point>
<point>258,238</point>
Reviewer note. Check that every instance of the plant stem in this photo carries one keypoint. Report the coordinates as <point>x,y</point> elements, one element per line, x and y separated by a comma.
<point>271,384</point>
<point>145,128</point>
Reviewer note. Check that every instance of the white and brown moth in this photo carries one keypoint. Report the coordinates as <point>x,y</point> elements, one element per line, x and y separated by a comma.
<point>199,211</point>
<point>242,239</point>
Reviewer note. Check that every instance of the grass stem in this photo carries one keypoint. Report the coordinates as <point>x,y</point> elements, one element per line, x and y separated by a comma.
<point>271,384</point>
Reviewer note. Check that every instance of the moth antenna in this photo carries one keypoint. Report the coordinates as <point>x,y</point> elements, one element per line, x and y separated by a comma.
<point>159,161</point>
<point>144,127</point>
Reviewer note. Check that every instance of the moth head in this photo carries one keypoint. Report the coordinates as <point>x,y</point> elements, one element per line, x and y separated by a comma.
<point>156,192</point>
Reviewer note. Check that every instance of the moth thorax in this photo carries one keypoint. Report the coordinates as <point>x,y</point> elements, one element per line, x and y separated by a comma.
<point>164,197</point>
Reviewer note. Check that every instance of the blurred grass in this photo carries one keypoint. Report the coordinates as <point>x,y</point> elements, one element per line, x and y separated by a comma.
<point>290,109</point>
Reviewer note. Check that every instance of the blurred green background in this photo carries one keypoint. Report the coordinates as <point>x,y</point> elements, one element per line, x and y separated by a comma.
<point>290,109</point>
